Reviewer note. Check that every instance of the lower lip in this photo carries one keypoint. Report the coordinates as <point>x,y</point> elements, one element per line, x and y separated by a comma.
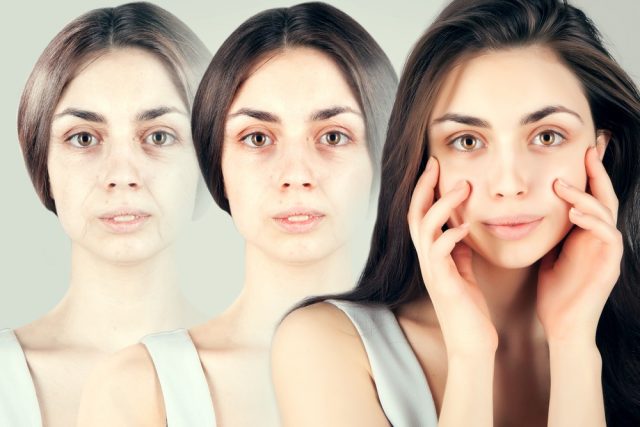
<point>299,226</point>
<point>121,227</point>
<point>513,232</point>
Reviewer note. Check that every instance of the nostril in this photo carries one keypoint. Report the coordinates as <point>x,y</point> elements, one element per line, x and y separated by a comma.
<point>306,185</point>
<point>133,184</point>
<point>112,184</point>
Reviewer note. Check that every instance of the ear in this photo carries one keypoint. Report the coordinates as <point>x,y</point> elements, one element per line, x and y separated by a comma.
<point>602,141</point>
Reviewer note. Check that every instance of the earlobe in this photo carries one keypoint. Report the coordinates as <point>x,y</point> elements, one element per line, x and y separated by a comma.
<point>602,141</point>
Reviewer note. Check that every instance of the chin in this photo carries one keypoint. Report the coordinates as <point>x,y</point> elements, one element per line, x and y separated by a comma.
<point>512,254</point>
<point>125,253</point>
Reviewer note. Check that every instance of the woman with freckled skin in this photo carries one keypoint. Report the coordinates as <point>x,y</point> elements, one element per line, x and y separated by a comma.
<point>288,124</point>
<point>501,286</point>
<point>104,126</point>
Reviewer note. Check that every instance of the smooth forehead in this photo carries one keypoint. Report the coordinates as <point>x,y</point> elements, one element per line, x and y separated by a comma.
<point>298,79</point>
<point>504,85</point>
<point>121,79</point>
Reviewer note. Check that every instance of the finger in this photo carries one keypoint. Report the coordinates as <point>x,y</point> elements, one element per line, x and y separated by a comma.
<point>445,244</point>
<point>441,210</point>
<point>462,257</point>
<point>603,230</point>
<point>583,201</point>
<point>600,183</point>
<point>440,262</point>
<point>423,194</point>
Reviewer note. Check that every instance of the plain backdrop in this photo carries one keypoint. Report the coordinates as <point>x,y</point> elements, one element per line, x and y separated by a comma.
<point>35,252</point>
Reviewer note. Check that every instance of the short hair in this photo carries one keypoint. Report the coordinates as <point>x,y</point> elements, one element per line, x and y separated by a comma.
<point>134,25</point>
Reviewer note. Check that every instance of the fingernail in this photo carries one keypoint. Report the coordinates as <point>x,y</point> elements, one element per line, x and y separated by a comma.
<point>563,183</point>
<point>464,225</point>
<point>576,212</point>
<point>429,164</point>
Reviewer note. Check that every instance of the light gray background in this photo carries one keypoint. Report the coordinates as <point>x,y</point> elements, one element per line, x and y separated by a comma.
<point>34,250</point>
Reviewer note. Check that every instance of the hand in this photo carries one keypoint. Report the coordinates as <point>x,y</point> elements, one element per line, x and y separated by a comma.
<point>575,282</point>
<point>445,263</point>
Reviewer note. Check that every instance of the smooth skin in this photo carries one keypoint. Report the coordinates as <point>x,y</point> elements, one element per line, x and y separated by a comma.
<point>503,339</point>
<point>123,285</point>
<point>294,141</point>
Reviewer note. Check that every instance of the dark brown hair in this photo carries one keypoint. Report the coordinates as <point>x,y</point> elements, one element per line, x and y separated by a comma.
<point>133,25</point>
<point>392,273</point>
<point>315,25</point>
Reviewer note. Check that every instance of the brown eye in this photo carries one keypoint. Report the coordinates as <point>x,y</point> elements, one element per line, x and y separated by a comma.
<point>467,143</point>
<point>334,138</point>
<point>83,140</point>
<point>548,138</point>
<point>257,140</point>
<point>160,139</point>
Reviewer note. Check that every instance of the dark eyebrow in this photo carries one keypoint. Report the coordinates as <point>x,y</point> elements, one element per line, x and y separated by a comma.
<point>82,114</point>
<point>465,120</point>
<point>157,112</point>
<point>546,111</point>
<point>327,113</point>
<point>256,114</point>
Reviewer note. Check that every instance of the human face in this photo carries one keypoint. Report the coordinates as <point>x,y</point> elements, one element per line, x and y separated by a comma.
<point>295,163</point>
<point>512,122</point>
<point>122,166</point>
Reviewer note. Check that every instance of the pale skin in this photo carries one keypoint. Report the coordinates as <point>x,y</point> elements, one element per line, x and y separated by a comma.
<point>504,340</point>
<point>294,136</point>
<point>105,157</point>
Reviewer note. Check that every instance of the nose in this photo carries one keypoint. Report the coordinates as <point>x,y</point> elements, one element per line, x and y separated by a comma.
<point>296,168</point>
<point>508,176</point>
<point>121,169</point>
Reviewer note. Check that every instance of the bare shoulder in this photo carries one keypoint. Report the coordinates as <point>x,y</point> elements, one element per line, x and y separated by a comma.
<point>322,327</point>
<point>321,372</point>
<point>123,390</point>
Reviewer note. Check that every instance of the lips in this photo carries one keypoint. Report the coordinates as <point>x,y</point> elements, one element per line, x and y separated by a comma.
<point>512,227</point>
<point>124,221</point>
<point>298,220</point>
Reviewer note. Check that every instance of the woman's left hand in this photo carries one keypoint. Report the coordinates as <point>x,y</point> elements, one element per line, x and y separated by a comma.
<point>575,282</point>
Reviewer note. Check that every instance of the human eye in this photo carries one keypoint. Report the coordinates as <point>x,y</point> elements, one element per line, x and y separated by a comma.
<point>466,143</point>
<point>334,138</point>
<point>256,140</point>
<point>83,140</point>
<point>548,138</point>
<point>160,138</point>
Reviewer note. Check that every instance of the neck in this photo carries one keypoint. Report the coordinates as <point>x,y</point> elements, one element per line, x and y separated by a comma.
<point>511,298</point>
<point>272,287</point>
<point>110,305</point>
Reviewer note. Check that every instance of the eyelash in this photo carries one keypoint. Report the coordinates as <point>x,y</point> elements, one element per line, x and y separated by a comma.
<point>457,147</point>
<point>248,139</point>
<point>169,138</point>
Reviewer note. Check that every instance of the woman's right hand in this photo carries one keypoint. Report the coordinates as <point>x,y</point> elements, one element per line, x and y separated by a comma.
<point>445,263</point>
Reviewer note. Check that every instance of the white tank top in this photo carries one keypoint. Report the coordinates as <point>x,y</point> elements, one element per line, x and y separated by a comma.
<point>18,400</point>
<point>402,388</point>
<point>187,400</point>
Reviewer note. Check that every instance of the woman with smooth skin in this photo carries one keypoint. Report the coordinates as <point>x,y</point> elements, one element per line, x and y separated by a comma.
<point>511,175</point>
<point>104,125</point>
<point>288,124</point>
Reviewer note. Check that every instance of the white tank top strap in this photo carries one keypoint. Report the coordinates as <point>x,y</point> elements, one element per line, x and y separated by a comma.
<point>18,400</point>
<point>401,385</point>
<point>184,386</point>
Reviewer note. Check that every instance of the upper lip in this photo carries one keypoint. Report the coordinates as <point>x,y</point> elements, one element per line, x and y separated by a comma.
<point>123,212</point>
<point>513,220</point>
<point>297,211</point>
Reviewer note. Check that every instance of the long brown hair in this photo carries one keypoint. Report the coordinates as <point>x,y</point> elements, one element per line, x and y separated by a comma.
<point>133,25</point>
<point>315,25</point>
<point>392,273</point>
